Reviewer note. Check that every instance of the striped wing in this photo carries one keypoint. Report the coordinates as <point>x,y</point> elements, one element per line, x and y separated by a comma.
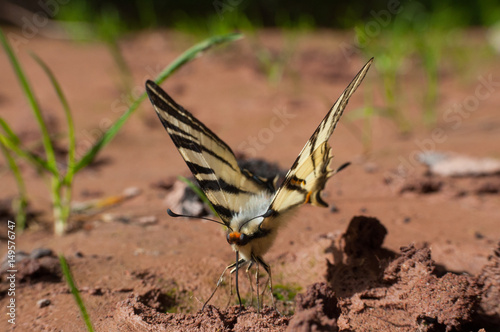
<point>309,173</point>
<point>211,161</point>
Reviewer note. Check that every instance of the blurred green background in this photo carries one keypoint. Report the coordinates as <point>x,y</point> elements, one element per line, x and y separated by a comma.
<point>139,14</point>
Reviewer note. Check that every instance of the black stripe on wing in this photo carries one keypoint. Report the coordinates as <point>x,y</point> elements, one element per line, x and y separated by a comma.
<point>220,184</point>
<point>224,212</point>
<point>185,143</point>
<point>198,169</point>
<point>180,113</point>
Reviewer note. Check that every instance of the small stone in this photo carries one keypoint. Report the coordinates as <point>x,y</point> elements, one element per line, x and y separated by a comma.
<point>478,235</point>
<point>111,217</point>
<point>139,251</point>
<point>406,220</point>
<point>41,252</point>
<point>108,217</point>
<point>78,254</point>
<point>95,291</point>
<point>43,303</point>
<point>147,220</point>
<point>370,167</point>
<point>334,209</point>
<point>131,192</point>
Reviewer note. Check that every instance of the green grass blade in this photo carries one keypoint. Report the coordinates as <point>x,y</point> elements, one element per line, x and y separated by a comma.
<point>30,157</point>
<point>185,57</point>
<point>10,133</point>
<point>22,202</point>
<point>76,294</point>
<point>28,91</point>
<point>194,51</point>
<point>198,193</point>
<point>67,113</point>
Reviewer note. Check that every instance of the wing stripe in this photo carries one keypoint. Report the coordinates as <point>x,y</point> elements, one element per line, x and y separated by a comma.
<point>184,143</point>
<point>170,126</point>
<point>165,102</point>
<point>198,169</point>
<point>293,187</point>
<point>220,184</point>
<point>224,212</point>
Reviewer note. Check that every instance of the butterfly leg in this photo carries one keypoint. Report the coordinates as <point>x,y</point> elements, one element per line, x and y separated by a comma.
<point>237,286</point>
<point>239,262</point>
<point>270,280</point>
<point>250,281</point>
<point>257,286</point>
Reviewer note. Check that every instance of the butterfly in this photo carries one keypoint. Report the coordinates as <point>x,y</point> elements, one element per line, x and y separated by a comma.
<point>251,208</point>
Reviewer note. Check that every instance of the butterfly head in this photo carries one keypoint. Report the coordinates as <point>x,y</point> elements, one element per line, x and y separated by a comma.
<point>243,231</point>
<point>237,238</point>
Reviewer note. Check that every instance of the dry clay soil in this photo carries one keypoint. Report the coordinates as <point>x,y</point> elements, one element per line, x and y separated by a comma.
<point>400,251</point>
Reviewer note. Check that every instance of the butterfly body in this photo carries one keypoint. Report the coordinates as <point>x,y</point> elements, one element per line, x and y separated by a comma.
<point>251,208</point>
<point>244,232</point>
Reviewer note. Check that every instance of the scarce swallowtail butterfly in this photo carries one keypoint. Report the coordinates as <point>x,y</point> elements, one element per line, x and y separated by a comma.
<point>251,208</point>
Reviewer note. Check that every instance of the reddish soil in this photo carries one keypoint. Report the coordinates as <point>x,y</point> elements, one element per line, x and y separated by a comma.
<point>401,250</point>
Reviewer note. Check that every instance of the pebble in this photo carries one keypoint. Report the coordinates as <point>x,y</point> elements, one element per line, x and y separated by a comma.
<point>43,303</point>
<point>131,192</point>
<point>41,252</point>
<point>147,220</point>
<point>370,167</point>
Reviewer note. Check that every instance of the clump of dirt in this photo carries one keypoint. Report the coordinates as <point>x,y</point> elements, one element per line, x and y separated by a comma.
<point>453,186</point>
<point>358,258</point>
<point>489,279</point>
<point>317,310</point>
<point>488,186</point>
<point>376,292</point>
<point>41,265</point>
<point>423,185</point>
<point>140,313</point>
<point>157,300</point>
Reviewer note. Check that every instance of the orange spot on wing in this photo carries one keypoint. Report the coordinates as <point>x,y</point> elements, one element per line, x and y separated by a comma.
<point>297,182</point>
<point>308,197</point>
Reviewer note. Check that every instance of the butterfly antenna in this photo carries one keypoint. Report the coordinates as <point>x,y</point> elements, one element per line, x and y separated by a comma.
<point>342,167</point>
<point>176,215</point>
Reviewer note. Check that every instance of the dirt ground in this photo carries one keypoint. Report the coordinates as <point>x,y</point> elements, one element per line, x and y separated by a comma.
<point>399,250</point>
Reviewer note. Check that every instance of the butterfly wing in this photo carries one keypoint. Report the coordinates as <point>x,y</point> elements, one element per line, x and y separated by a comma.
<point>211,161</point>
<point>308,175</point>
